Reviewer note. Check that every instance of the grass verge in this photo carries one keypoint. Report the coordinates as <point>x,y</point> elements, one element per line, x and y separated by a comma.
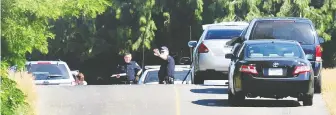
<point>26,84</point>
<point>329,89</point>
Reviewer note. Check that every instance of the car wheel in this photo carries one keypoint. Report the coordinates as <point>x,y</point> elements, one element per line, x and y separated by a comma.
<point>317,88</point>
<point>231,98</point>
<point>308,101</point>
<point>235,100</point>
<point>199,78</point>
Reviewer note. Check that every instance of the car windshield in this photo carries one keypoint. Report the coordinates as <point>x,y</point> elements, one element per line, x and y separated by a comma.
<point>48,71</point>
<point>273,50</point>
<point>299,31</point>
<point>152,76</point>
<point>222,34</point>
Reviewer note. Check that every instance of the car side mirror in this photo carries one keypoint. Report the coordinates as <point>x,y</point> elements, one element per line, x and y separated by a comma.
<point>192,44</point>
<point>229,56</point>
<point>185,60</point>
<point>233,41</point>
<point>321,40</point>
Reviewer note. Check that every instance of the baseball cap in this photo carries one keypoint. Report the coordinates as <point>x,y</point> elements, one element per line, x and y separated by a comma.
<point>164,48</point>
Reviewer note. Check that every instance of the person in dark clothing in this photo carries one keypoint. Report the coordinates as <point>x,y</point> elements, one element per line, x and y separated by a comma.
<point>167,68</point>
<point>131,68</point>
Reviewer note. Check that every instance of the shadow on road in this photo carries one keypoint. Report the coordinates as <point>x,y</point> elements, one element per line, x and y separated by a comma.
<point>210,90</point>
<point>248,103</point>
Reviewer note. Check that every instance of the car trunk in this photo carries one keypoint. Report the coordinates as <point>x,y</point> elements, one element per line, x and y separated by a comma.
<point>274,67</point>
<point>218,47</point>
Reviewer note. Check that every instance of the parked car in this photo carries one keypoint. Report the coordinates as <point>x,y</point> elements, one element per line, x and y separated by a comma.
<point>150,75</point>
<point>209,51</point>
<point>271,69</point>
<point>50,72</point>
<point>301,30</point>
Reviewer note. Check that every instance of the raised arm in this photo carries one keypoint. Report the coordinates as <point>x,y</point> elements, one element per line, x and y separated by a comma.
<point>162,56</point>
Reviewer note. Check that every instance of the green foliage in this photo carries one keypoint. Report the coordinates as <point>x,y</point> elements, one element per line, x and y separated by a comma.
<point>25,23</point>
<point>11,97</point>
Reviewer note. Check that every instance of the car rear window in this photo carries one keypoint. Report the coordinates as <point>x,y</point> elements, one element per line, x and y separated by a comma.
<point>152,76</point>
<point>273,50</point>
<point>289,30</point>
<point>222,34</point>
<point>48,71</point>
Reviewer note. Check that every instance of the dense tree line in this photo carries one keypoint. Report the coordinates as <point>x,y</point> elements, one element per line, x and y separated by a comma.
<point>91,34</point>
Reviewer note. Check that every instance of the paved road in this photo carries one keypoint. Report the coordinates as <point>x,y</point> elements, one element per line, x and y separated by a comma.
<point>161,100</point>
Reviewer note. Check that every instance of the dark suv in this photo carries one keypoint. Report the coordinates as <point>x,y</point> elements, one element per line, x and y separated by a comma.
<point>301,30</point>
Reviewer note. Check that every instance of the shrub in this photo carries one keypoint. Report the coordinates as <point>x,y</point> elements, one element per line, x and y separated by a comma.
<point>11,97</point>
<point>18,93</point>
<point>25,83</point>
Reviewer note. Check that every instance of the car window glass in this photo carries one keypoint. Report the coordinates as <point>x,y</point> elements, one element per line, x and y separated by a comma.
<point>222,34</point>
<point>152,76</point>
<point>273,50</point>
<point>48,71</point>
<point>299,31</point>
<point>181,75</point>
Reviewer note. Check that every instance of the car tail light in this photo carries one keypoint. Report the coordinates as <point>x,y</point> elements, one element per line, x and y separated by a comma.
<point>43,63</point>
<point>203,49</point>
<point>301,69</point>
<point>248,69</point>
<point>318,53</point>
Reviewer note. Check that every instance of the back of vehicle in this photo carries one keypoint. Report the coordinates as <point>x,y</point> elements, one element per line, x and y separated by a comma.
<point>300,30</point>
<point>275,70</point>
<point>213,48</point>
<point>50,73</point>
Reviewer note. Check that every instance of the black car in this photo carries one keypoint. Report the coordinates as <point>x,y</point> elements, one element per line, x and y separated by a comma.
<point>272,69</point>
<point>301,30</point>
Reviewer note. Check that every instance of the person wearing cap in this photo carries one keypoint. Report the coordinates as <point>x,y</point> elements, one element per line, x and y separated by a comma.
<point>167,68</point>
<point>131,68</point>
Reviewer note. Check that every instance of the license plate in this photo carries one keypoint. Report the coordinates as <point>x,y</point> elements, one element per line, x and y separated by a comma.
<point>275,71</point>
<point>45,82</point>
<point>309,56</point>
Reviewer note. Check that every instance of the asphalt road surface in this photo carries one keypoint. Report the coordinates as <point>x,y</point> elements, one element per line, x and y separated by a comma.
<point>162,100</point>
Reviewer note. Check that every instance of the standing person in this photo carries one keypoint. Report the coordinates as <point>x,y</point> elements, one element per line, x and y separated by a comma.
<point>131,68</point>
<point>167,68</point>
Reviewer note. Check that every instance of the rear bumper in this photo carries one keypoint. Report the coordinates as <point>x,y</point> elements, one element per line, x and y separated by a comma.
<point>282,87</point>
<point>211,62</point>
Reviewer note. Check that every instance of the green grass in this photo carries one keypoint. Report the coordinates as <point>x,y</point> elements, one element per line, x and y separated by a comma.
<point>26,84</point>
<point>329,89</point>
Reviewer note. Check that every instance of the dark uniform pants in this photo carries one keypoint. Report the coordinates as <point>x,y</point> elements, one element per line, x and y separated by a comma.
<point>125,80</point>
<point>166,80</point>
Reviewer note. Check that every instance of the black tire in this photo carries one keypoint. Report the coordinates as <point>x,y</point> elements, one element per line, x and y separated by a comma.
<point>199,78</point>
<point>308,101</point>
<point>317,86</point>
<point>235,100</point>
<point>231,98</point>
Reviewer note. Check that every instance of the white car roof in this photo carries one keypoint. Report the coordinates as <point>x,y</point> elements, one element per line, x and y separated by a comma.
<point>51,62</point>
<point>176,69</point>
<point>226,25</point>
<point>158,66</point>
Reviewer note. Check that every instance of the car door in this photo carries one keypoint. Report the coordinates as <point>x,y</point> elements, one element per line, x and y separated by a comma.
<point>196,54</point>
<point>235,52</point>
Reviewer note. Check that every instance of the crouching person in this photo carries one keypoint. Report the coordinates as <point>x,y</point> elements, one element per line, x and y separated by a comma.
<point>80,79</point>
